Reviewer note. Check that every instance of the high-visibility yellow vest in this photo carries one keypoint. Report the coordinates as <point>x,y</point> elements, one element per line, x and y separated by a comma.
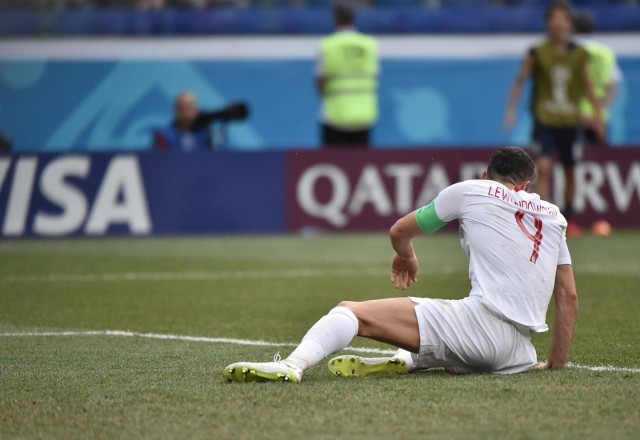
<point>602,61</point>
<point>350,67</point>
<point>558,84</point>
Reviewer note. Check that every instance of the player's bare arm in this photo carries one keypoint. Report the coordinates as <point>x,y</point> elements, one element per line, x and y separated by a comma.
<point>516,89</point>
<point>566,305</point>
<point>404,268</point>
<point>612,90</point>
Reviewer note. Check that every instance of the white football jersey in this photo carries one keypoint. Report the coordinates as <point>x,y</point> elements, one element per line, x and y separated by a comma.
<point>514,242</point>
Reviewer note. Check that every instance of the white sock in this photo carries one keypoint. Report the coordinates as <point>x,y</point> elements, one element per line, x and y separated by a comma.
<point>408,357</point>
<point>331,333</point>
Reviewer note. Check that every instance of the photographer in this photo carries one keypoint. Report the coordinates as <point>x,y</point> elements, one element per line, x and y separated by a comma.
<point>189,131</point>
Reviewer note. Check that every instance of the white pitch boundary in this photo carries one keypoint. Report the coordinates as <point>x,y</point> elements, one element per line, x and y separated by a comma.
<point>244,274</point>
<point>258,343</point>
<point>196,276</point>
<point>125,333</point>
<point>609,368</point>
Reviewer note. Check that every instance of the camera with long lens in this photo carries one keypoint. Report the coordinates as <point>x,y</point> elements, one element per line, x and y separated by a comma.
<point>234,112</point>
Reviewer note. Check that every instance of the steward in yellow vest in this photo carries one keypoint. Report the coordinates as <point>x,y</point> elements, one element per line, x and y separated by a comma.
<point>347,72</point>
<point>605,75</point>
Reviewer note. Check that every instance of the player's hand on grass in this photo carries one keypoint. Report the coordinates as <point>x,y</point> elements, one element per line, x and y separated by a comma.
<point>547,365</point>
<point>404,271</point>
<point>540,366</point>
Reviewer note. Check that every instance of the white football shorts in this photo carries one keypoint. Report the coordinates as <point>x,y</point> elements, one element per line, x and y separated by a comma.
<point>466,335</point>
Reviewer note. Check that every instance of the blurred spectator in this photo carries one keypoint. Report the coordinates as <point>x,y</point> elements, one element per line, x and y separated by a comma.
<point>274,4</point>
<point>560,72</point>
<point>149,5</point>
<point>347,69</point>
<point>6,145</point>
<point>189,131</point>
<point>56,5</point>
<point>605,75</point>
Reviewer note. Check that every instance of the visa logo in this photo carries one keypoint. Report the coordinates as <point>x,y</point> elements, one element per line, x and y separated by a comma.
<point>62,206</point>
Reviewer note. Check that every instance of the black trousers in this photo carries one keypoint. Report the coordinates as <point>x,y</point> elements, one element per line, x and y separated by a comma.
<point>335,138</point>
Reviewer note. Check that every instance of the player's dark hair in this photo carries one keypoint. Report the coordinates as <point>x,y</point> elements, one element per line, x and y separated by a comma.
<point>512,164</point>
<point>343,15</point>
<point>558,6</point>
<point>584,22</point>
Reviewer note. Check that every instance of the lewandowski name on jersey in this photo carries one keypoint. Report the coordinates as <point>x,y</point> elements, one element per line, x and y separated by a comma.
<point>500,193</point>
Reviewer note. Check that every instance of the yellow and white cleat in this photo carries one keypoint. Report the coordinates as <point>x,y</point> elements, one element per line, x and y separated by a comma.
<point>350,365</point>
<point>262,372</point>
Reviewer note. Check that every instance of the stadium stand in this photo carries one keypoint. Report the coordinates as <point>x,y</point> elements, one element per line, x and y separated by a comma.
<point>224,17</point>
<point>273,4</point>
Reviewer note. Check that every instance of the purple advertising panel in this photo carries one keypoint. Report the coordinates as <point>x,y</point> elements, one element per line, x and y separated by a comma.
<point>370,189</point>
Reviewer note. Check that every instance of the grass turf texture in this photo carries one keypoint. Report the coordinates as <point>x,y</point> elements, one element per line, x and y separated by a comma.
<point>116,387</point>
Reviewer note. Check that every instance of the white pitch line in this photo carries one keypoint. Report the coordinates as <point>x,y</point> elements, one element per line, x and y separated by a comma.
<point>241,274</point>
<point>197,276</point>
<point>124,333</point>
<point>609,368</point>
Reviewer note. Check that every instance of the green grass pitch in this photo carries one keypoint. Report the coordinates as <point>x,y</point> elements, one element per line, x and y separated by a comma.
<point>272,289</point>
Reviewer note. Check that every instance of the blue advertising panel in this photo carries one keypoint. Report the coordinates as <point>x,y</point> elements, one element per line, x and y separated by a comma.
<point>115,105</point>
<point>140,194</point>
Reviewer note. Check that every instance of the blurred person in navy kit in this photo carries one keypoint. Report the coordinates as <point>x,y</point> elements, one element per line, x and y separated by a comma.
<point>189,131</point>
<point>605,75</point>
<point>559,69</point>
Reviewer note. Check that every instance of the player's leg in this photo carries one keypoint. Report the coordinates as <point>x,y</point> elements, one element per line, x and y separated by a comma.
<point>543,141</point>
<point>568,151</point>
<point>544,169</point>
<point>329,334</point>
<point>388,320</point>
<point>463,337</point>
<point>569,189</point>
<point>590,136</point>
<point>402,362</point>
<point>391,320</point>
